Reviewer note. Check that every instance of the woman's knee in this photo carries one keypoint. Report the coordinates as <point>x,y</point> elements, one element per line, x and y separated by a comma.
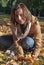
<point>28,42</point>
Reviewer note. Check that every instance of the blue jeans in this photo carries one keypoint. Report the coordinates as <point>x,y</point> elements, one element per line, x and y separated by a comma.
<point>27,43</point>
<point>7,41</point>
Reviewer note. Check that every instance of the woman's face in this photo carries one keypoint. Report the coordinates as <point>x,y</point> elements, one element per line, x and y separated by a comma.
<point>19,16</point>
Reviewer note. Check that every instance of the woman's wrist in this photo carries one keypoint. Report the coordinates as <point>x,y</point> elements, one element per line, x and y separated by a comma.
<point>20,37</point>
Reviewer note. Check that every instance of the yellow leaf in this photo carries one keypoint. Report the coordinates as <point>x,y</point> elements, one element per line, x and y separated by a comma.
<point>19,62</point>
<point>42,55</point>
<point>28,56</point>
<point>36,62</point>
<point>1,54</point>
<point>42,51</point>
<point>1,33</point>
<point>1,59</point>
<point>2,64</point>
<point>12,61</point>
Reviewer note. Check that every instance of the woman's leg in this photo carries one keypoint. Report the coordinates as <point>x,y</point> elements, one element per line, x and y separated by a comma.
<point>27,43</point>
<point>6,41</point>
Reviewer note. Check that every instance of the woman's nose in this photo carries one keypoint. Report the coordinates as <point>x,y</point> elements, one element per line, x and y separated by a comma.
<point>19,17</point>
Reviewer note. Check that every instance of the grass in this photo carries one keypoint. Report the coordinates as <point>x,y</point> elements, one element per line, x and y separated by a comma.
<point>41,19</point>
<point>2,15</point>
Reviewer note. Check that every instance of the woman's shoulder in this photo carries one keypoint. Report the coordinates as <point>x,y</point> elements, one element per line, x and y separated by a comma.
<point>35,20</point>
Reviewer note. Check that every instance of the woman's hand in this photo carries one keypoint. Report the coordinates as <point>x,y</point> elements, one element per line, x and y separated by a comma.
<point>33,57</point>
<point>20,37</point>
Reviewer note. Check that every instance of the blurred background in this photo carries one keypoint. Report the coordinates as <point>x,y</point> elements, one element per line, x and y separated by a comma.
<point>35,6</point>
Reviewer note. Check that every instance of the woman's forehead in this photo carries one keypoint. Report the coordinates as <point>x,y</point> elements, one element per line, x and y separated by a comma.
<point>19,11</point>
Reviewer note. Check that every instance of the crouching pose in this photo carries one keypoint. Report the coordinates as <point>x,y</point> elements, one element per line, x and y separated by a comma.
<point>26,30</point>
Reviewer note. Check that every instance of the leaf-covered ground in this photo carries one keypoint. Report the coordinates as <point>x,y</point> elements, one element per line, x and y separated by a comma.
<point>6,59</point>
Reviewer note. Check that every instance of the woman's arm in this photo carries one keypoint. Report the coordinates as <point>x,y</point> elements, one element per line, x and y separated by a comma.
<point>14,31</point>
<point>38,43</point>
<point>19,48</point>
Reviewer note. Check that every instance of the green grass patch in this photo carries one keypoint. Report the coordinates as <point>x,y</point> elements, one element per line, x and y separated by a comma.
<point>41,19</point>
<point>4,15</point>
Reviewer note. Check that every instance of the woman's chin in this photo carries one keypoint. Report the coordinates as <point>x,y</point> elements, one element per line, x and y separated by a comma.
<point>22,23</point>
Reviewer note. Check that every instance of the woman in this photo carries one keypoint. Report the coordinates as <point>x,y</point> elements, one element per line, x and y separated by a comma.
<point>26,30</point>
